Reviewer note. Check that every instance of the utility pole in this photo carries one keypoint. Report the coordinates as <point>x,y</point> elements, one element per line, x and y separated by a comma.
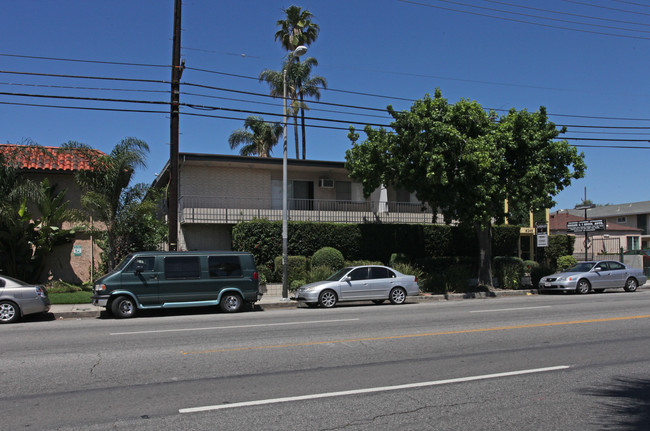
<point>177,71</point>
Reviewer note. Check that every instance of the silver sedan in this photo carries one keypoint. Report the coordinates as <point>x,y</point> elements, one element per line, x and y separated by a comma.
<point>358,283</point>
<point>18,298</point>
<point>596,276</point>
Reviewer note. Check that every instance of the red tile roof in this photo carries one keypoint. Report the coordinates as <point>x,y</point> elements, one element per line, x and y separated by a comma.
<point>47,158</point>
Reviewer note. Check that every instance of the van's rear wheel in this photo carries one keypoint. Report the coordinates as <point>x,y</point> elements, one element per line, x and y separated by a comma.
<point>123,307</point>
<point>230,303</point>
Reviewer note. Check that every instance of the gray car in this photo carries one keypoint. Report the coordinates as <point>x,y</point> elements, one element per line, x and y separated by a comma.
<point>596,276</point>
<point>18,299</point>
<point>357,283</point>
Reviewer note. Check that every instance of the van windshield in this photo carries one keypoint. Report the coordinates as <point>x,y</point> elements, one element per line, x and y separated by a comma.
<point>122,264</point>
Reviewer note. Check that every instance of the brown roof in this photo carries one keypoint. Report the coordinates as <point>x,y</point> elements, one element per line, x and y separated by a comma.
<point>48,158</point>
<point>558,221</point>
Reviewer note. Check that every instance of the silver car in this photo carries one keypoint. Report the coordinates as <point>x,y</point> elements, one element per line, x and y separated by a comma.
<point>18,299</point>
<point>358,283</point>
<point>596,276</point>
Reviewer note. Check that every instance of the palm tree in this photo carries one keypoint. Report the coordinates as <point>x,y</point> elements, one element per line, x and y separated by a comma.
<point>300,83</point>
<point>297,29</point>
<point>258,136</point>
<point>307,86</point>
<point>104,183</point>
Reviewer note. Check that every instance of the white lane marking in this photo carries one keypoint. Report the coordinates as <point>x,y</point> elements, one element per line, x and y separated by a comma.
<point>209,328</point>
<point>369,390</point>
<point>509,309</point>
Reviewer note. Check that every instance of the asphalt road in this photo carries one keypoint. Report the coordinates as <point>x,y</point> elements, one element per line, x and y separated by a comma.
<point>549,362</point>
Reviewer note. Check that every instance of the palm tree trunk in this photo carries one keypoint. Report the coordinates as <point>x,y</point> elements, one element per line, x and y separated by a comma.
<point>302,120</point>
<point>295,134</point>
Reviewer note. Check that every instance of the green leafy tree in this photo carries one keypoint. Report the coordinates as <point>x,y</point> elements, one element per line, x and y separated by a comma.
<point>466,162</point>
<point>258,137</point>
<point>105,182</point>
<point>296,30</point>
<point>300,83</point>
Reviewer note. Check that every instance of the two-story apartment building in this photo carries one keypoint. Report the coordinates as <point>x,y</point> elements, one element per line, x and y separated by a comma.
<point>218,191</point>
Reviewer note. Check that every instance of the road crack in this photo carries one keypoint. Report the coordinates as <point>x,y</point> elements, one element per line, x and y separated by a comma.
<point>96,364</point>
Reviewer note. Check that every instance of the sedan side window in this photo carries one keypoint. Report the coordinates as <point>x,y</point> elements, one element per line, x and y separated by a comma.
<point>359,274</point>
<point>377,272</point>
<point>602,266</point>
<point>616,266</point>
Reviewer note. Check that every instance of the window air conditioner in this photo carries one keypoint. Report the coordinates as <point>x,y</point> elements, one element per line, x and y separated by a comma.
<point>325,183</point>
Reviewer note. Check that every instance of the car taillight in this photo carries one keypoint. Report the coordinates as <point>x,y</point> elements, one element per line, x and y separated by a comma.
<point>41,292</point>
<point>256,276</point>
<point>416,279</point>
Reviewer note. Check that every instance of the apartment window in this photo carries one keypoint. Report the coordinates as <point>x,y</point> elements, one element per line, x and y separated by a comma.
<point>182,267</point>
<point>224,266</point>
<point>633,243</point>
<point>343,190</point>
<point>621,220</point>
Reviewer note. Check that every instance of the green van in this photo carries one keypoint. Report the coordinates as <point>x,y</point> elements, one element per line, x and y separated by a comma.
<point>164,279</point>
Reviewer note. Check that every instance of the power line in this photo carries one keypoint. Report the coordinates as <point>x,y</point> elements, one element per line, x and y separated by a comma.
<point>523,21</point>
<point>606,7</point>
<point>568,13</point>
<point>117,63</point>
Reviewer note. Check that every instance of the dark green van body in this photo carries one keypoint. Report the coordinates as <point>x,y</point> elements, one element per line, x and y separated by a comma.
<point>149,280</point>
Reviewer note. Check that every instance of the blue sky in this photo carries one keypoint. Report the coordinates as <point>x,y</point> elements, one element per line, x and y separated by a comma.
<point>401,50</point>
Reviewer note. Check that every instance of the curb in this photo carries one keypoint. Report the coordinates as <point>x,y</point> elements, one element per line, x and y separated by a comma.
<point>78,311</point>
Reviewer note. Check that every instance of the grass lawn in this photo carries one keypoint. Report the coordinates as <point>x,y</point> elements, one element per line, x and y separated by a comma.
<point>70,297</point>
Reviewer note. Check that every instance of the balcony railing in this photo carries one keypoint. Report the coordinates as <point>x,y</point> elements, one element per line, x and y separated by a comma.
<point>205,209</point>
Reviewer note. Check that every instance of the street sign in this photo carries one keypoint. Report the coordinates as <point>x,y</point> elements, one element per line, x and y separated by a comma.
<point>586,225</point>
<point>542,235</point>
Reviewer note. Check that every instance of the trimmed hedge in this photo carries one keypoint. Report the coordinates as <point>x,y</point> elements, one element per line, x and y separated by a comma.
<point>329,257</point>
<point>297,268</point>
<point>377,242</point>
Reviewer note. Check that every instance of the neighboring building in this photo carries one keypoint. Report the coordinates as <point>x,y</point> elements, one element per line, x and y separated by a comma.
<point>70,262</point>
<point>610,241</point>
<point>218,191</point>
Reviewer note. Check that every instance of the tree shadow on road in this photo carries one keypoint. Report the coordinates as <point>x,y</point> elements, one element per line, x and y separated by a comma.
<point>626,407</point>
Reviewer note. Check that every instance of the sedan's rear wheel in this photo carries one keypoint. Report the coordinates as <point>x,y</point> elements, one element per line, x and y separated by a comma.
<point>397,295</point>
<point>631,285</point>
<point>583,287</point>
<point>9,312</point>
<point>327,299</point>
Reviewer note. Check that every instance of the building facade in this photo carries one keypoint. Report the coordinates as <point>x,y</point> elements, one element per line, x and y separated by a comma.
<point>218,191</point>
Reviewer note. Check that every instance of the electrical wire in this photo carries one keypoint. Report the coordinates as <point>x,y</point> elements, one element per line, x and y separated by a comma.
<point>523,21</point>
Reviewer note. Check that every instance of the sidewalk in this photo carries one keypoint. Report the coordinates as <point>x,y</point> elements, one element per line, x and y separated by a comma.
<point>273,300</point>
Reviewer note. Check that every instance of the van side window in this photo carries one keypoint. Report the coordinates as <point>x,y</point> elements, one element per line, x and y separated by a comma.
<point>182,267</point>
<point>224,266</point>
<point>146,262</point>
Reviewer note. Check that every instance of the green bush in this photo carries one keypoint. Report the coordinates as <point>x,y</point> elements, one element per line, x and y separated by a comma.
<point>453,278</point>
<point>565,262</point>
<point>408,269</point>
<point>397,258</point>
<point>362,262</point>
<point>295,284</point>
<point>318,273</point>
<point>296,270</point>
<point>508,271</point>
<point>329,257</point>
<point>59,286</point>
<point>536,274</point>
<point>558,246</point>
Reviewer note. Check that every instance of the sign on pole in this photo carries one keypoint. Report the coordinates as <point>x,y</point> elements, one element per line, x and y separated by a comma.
<point>542,235</point>
<point>586,225</point>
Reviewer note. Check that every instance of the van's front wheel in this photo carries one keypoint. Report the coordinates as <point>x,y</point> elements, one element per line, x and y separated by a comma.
<point>123,307</point>
<point>230,303</point>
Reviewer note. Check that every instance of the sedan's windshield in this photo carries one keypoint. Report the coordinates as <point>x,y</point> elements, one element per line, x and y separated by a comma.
<point>581,267</point>
<point>338,274</point>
